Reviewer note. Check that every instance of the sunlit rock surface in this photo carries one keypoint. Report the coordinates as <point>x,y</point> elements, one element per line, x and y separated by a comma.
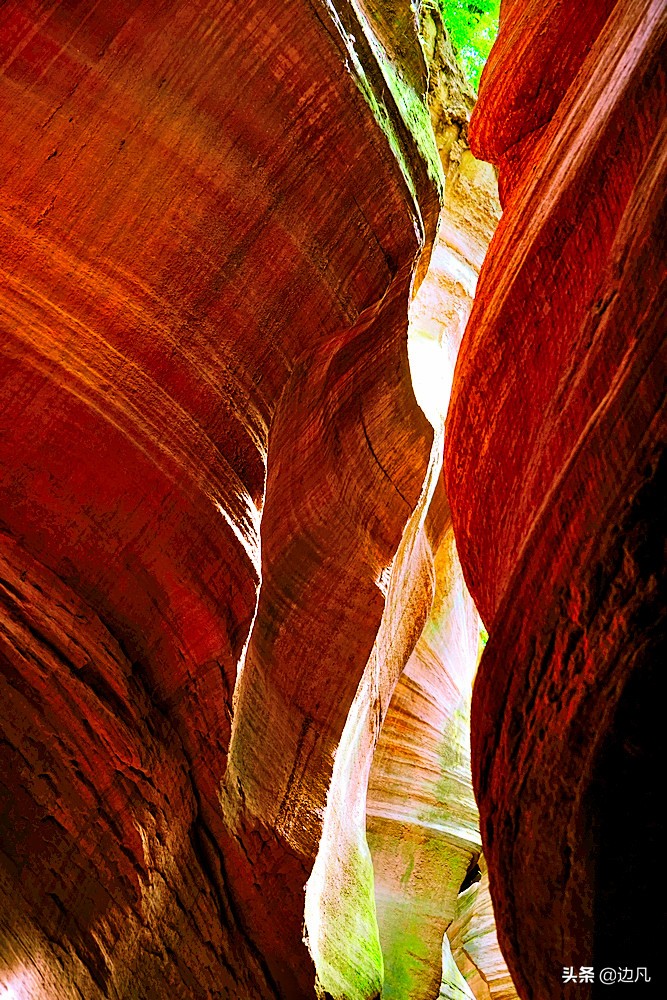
<point>211,218</point>
<point>422,819</point>
<point>555,474</point>
<point>340,900</point>
<point>236,646</point>
<point>472,938</point>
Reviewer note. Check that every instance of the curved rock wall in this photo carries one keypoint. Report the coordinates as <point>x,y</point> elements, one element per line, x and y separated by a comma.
<point>341,897</point>
<point>554,466</point>
<point>227,567</point>
<point>211,214</point>
<point>472,939</point>
<point>422,820</point>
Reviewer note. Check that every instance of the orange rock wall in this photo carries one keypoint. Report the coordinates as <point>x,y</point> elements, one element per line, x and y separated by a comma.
<point>211,215</point>
<point>219,541</point>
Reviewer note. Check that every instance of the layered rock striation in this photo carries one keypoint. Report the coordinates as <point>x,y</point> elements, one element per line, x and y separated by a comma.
<point>422,819</point>
<point>211,218</point>
<point>554,466</point>
<point>236,641</point>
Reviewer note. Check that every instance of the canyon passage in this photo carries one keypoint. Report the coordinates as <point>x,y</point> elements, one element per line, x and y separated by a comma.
<point>332,492</point>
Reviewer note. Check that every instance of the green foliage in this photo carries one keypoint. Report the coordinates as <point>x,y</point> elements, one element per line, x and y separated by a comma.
<point>472,27</point>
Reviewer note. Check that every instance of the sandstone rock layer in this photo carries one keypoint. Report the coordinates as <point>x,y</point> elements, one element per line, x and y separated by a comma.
<point>554,467</point>
<point>211,217</point>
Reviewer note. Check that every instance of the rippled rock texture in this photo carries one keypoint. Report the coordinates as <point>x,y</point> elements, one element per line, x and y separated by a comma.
<point>236,645</point>
<point>555,473</point>
<point>422,820</point>
<point>211,216</point>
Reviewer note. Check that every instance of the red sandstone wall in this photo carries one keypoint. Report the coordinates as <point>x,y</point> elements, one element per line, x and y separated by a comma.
<point>554,467</point>
<point>211,215</point>
<point>208,242</point>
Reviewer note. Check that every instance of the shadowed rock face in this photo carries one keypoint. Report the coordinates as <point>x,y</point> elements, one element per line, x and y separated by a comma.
<point>554,466</point>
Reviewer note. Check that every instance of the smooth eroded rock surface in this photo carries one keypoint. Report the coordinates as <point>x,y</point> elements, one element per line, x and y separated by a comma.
<point>554,467</point>
<point>211,217</point>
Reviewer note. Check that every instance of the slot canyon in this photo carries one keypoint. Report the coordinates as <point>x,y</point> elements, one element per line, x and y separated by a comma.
<point>332,500</point>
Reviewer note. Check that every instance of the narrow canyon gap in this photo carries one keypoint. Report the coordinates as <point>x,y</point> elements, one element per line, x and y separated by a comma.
<point>239,548</point>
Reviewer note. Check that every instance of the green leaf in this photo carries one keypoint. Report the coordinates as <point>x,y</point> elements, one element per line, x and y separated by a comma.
<point>472,27</point>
